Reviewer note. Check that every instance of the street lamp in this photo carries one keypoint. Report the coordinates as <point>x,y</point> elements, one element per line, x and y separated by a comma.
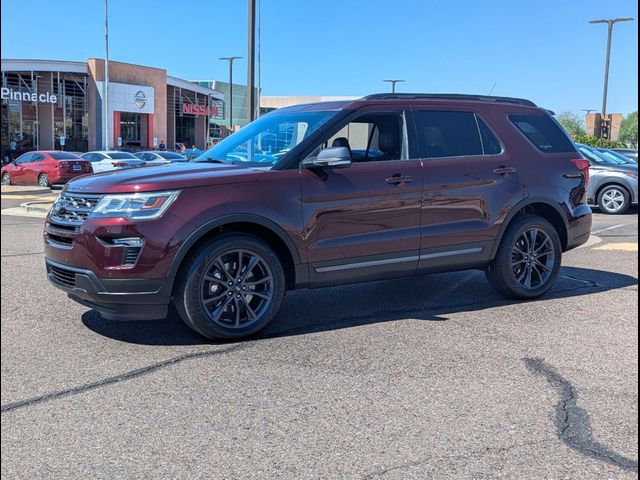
<point>610,23</point>
<point>393,84</point>
<point>230,60</point>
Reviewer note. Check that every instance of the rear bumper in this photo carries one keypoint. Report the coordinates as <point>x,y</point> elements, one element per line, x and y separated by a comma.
<point>135,299</point>
<point>579,227</point>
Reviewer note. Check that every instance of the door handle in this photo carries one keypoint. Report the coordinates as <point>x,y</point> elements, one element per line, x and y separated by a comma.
<point>504,170</point>
<point>399,180</point>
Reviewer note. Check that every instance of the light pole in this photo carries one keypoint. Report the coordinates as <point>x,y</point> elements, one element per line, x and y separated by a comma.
<point>251,63</point>
<point>105,96</point>
<point>393,84</point>
<point>230,60</point>
<point>610,23</point>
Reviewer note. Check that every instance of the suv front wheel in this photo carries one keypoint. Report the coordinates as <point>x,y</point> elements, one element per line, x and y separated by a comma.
<point>230,288</point>
<point>528,260</point>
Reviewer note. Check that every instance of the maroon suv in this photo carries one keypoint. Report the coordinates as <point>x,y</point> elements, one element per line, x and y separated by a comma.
<point>326,194</point>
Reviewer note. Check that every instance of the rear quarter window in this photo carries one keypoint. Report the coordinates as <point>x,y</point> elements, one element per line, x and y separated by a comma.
<point>543,132</point>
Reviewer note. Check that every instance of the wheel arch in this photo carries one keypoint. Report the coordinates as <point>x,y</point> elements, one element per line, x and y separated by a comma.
<point>542,206</point>
<point>260,227</point>
<point>611,183</point>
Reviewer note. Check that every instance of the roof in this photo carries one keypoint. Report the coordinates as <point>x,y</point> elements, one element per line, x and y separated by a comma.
<point>449,96</point>
<point>26,65</point>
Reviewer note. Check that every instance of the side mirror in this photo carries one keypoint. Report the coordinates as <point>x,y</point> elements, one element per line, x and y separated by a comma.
<point>334,157</point>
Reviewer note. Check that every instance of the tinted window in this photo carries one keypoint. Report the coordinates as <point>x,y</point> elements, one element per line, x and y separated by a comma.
<point>543,132</point>
<point>64,156</point>
<point>447,134</point>
<point>122,156</point>
<point>37,157</point>
<point>490,143</point>
<point>26,158</point>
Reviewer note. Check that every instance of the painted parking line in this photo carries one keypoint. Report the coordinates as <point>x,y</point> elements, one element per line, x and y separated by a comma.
<point>612,227</point>
<point>625,247</point>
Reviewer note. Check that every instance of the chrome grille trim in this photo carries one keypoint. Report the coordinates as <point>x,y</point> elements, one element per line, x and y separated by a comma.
<point>72,209</point>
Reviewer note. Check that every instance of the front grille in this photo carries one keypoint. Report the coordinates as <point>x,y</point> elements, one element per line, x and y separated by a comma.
<point>72,209</point>
<point>63,276</point>
<point>60,239</point>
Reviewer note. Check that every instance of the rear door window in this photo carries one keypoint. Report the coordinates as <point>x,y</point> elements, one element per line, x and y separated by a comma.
<point>543,132</point>
<point>490,143</point>
<point>447,134</point>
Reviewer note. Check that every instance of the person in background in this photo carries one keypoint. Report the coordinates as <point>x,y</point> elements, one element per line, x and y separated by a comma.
<point>183,148</point>
<point>13,148</point>
<point>162,146</point>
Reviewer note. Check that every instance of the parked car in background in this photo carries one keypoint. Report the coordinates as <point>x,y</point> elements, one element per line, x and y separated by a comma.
<point>44,168</point>
<point>104,161</point>
<point>192,153</point>
<point>613,186</point>
<point>631,153</point>
<point>382,187</point>
<point>160,157</point>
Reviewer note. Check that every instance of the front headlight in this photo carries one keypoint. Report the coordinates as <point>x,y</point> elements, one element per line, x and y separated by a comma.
<point>134,206</point>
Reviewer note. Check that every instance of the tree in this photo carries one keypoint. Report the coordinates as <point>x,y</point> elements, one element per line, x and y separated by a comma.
<point>572,123</point>
<point>629,129</point>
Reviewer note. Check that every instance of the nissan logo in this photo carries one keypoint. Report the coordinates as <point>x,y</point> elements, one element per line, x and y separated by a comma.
<point>140,99</point>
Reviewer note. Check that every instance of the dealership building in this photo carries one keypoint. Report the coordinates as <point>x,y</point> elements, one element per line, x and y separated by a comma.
<point>49,104</point>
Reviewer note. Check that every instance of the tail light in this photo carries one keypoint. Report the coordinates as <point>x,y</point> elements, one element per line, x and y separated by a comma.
<point>582,165</point>
<point>120,164</point>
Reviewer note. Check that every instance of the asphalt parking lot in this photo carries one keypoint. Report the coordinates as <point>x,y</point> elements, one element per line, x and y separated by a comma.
<point>430,377</point>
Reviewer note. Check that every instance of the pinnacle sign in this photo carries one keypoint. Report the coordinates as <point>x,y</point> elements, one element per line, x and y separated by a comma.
<point>11,94</point>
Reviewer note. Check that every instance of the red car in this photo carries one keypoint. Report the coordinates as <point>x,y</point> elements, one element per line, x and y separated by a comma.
<point>44,168</point>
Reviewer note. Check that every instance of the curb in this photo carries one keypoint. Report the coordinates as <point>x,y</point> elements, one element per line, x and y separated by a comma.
<point>27,192</point>
<point>39,206</point>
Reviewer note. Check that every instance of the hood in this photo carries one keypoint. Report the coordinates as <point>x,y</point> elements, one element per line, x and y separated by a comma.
<point>163,177</point>
<point>623,167</point>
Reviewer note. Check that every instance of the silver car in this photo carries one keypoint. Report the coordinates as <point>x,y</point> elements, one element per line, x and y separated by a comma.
<point>613,186</point>
<point>160,157</point>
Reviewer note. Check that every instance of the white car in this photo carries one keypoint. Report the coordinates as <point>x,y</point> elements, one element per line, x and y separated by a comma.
<point>105,161</point>
<point>160,157</point>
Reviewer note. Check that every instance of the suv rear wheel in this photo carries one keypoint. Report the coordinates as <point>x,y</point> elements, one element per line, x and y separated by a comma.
<point>613,199</point>
<point>528,259</point>
<point>231,287</point>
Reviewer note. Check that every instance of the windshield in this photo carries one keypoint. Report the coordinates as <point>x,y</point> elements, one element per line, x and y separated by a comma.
<point>172,156</point>
<point>263,142</point>
<point>617,157</point>
<point>597,157</point>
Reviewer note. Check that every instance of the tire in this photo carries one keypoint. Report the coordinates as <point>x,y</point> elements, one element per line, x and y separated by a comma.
<point>614,200</point>
<point>508,272</point>
<point>209,305</point>
<point>6,179</point>
<point>43,180</point>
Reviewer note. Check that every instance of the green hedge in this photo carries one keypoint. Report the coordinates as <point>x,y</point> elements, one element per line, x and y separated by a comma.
<point>597,142</point>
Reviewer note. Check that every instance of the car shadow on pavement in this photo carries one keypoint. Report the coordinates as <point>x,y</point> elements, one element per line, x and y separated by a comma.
<point>429,297</point>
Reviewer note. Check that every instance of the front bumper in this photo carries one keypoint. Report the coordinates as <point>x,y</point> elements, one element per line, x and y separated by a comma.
<point>119,299</point>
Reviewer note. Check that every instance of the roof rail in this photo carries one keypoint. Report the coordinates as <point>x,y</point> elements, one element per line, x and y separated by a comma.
<point>449,96</point>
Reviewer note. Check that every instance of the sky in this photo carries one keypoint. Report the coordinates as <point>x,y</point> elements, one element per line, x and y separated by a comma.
<point>543,50</point>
